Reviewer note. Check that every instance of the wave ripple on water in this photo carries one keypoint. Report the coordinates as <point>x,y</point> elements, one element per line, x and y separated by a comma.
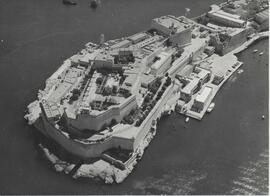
<point>177,183</point>
<point>253,178</point>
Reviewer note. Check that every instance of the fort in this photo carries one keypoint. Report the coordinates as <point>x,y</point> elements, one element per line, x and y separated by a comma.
<point>103,104</point>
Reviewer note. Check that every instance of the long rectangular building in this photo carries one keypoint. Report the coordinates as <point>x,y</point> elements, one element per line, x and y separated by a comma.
<point>225,18</point>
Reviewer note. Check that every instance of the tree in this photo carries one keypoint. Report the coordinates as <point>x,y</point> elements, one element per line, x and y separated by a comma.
<point>147,98</point>
<point>160,93</point>
<point>76,91</point>
<point>129,119</point>
<point>114,89</point>
<point>168,81</point>
<point>74,97</point>
<point>99,80</point>
<point>113,122</point>
<point>138,123</point>
<point>168,43</point>
<point>163,88</point>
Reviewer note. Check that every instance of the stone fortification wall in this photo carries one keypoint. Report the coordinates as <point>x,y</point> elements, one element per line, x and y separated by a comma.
<point>97,122</point>
<point>153,115</point>
<point>87,151</point>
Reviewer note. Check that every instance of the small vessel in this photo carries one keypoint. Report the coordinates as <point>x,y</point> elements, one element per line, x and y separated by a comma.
<point>263,117</point>
<point>187,119</point>
<point>69,2</point>
<point>211,107</point>
<point>261,53</point>
<point>94,4</point>
<point>255,50</point>
<point>240,71</point>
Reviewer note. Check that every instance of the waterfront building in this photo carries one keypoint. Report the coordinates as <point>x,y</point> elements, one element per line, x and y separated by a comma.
<point>218,78</point>
<point>191,88</point>
<point>203,74</point>
<point>138,37</point>
<point>231,20</point>
<point>122,44</point>
<point>231,38</point>
<point>202,98</point>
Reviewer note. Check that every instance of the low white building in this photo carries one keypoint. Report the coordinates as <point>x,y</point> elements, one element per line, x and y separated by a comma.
<point>192,87</point>
<point>202,98</point>
<point>161,64</point>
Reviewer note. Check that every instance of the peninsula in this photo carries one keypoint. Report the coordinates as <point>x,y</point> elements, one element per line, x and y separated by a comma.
<point>102,105</point>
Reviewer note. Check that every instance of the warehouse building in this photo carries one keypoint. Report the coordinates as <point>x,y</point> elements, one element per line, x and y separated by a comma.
<point>227,19</point>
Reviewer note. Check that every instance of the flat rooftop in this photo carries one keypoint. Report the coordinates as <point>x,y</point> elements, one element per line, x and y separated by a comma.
<point>168,21</point>
<point>227,16</point>
<point>190,86</point>
<point>61,90</point>
<point>163,57</point>
<point>204,94</point>
<point>121,44</point>
<point>138,36</point>
<point>203,72</point>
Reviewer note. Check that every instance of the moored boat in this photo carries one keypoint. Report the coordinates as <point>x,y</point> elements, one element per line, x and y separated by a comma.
<point>211,107</point>
<point>69,2</point>
<point>94,4</point>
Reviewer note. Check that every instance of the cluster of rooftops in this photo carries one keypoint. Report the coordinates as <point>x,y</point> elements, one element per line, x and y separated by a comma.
<point>102,76</point>
<point>113,71</point>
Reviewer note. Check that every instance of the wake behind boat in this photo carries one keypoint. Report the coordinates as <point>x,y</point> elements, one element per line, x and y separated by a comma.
<point>69,2</point>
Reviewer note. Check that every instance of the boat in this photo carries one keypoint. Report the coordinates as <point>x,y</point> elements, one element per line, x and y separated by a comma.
<point>261,53</point>
<point>263,117</point>
<point>69,2</point>
<point>94,4</point>
<point>211,107</point>
<point>255,50</point>
<point>187,119</point>
<point>240,71</point>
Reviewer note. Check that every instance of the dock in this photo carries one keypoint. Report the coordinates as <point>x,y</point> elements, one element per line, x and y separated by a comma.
<point>227,65</point>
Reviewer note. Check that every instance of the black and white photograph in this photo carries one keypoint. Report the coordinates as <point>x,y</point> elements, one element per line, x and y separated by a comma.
<point>134,97</point>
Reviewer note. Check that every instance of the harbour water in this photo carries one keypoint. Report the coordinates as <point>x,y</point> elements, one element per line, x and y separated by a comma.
<point>225,153</point>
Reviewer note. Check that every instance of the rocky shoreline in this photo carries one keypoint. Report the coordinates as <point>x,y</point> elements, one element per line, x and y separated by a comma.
<point>100,169</point>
